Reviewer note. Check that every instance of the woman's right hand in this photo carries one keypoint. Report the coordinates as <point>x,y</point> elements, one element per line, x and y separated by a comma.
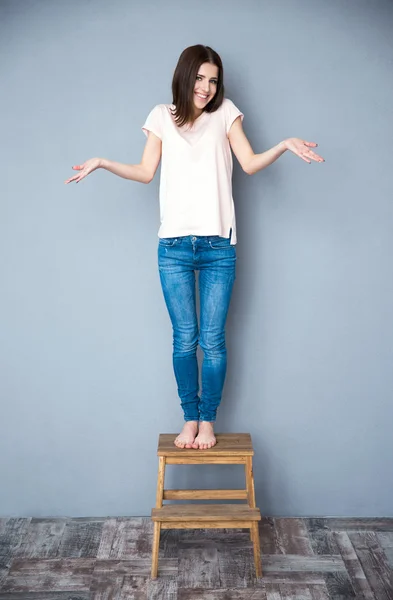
<point>88,167</point>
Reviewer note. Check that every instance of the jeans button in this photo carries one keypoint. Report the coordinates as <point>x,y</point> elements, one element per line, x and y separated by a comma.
<point>194,239</point>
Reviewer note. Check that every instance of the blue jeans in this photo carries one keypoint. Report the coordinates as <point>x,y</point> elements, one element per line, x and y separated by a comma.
<point>178,259</point>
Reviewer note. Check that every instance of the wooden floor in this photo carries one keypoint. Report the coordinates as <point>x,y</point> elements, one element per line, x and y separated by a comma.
<point>110,559</point>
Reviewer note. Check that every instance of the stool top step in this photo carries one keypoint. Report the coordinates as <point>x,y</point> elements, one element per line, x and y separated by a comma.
<point>206,512</point>
<point>228,444</point>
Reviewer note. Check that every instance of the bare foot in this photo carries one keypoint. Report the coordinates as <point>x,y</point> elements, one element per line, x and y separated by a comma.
<point>186,437</point>
<point>205,438</point>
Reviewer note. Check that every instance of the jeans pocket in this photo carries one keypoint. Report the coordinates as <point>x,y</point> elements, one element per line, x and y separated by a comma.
<point>167,241</point>
<point>220,243</point>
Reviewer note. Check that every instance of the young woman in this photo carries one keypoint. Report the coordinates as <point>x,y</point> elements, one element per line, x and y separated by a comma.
<point>193,137</point>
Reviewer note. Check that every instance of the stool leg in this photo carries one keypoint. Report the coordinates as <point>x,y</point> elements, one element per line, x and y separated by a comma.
<point>156,546</point>
<point>250,486</point>
<point>157,524</point>
<point>257,549</point>
<point>250,482</point>
<point>160,481</point>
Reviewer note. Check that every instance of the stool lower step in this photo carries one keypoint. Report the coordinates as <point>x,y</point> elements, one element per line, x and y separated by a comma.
<point>209,516</point>
<point>205,512</point>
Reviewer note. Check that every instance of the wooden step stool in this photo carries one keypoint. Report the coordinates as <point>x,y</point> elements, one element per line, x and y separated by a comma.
<point>231,448</point>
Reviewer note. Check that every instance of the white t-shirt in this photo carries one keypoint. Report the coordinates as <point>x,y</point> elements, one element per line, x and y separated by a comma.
<point>196,172</point>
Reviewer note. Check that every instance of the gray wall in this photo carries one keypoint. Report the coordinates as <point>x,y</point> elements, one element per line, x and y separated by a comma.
<point>85,356</point>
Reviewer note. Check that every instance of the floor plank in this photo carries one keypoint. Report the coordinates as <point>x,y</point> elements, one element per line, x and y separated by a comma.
<point>293,537</point>
<point>46,596</point>
<point>4,568</point>
<point>318,592</point>
<point>124,538</point>
<point>273,591</point>
<point>3,522</point>
<point>294,591</point>
<point>169,542</point>
<point>321,537</point>
<point>305,578</point>
<point>59,574</point>
<point>198,565</point>
<point>12,535</point>
<point>339,586</point>
<point>374,563</point>
<point>297,564</point>
<point>42,539</point>
<point>120,587</point>
<point>359,524</point>
<point>236,566</point>
<point>268,536</point>
<point>223,594</point>
<point>81,538</point>
<point>136,567</point>
<point>385,538</point>
<point>355,571</point>
<point>162,588</point>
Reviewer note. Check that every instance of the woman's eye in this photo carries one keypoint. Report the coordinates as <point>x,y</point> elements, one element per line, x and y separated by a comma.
<point>212,81</point>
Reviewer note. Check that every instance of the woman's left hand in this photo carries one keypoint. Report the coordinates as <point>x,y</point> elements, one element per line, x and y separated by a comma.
<point>301,149</point>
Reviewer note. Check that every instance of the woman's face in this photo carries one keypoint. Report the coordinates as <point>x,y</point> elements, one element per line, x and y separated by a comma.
<point>205,86</point>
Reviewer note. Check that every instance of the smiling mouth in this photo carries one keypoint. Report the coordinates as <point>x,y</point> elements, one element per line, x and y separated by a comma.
<point>201,97</point>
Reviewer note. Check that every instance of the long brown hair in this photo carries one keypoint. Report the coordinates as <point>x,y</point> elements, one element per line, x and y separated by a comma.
<point>184,78</point>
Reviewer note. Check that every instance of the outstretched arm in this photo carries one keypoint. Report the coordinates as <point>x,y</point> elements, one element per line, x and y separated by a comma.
<point>144,172</point>
<point>252,163</point>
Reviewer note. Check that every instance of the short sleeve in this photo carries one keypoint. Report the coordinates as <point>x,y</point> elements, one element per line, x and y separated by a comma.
<point>154,122</point>
<point>231,113</point>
